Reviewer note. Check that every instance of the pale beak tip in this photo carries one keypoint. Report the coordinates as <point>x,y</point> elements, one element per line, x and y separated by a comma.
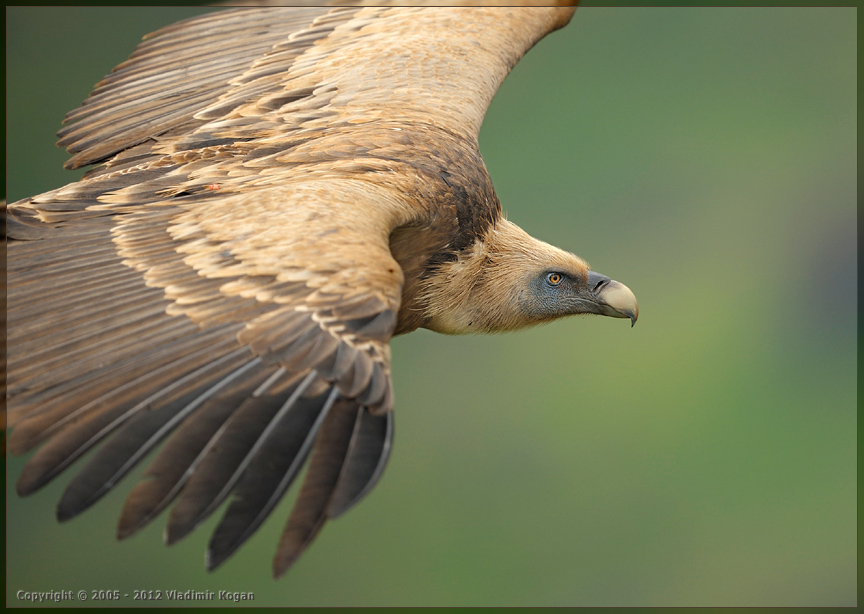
<point>621,300</point>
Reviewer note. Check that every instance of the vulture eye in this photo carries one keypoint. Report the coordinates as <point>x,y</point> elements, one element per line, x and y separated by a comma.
<point>554,278</point>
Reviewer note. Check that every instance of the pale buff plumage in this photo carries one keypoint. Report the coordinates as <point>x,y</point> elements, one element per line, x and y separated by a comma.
<point>479,292</point>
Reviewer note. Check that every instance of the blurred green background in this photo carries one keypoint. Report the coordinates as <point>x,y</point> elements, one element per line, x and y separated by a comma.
<point>706,457</point>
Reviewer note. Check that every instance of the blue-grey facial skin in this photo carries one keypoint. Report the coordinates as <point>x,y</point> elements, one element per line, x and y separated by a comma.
<point>544,298</point>
<point>556,293</point>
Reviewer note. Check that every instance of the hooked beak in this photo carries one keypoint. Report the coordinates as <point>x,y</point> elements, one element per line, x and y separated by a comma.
<point>612,298</point>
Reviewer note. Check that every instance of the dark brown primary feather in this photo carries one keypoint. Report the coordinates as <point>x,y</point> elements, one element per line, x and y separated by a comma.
<point>184,453</point>
<point>272,190</point>
<point>271,470</point>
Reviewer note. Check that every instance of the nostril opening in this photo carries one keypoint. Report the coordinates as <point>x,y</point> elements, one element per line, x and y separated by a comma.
<point>600,285</point>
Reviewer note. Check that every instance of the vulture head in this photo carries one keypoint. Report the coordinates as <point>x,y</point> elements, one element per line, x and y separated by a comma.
<point>510,280</point>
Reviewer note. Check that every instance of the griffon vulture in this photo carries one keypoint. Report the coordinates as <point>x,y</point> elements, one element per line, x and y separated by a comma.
<point>275,193</point>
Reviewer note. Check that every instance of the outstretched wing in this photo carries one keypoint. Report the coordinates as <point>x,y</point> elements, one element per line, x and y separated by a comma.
<point>129,327</point>
<point>224,275</point>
